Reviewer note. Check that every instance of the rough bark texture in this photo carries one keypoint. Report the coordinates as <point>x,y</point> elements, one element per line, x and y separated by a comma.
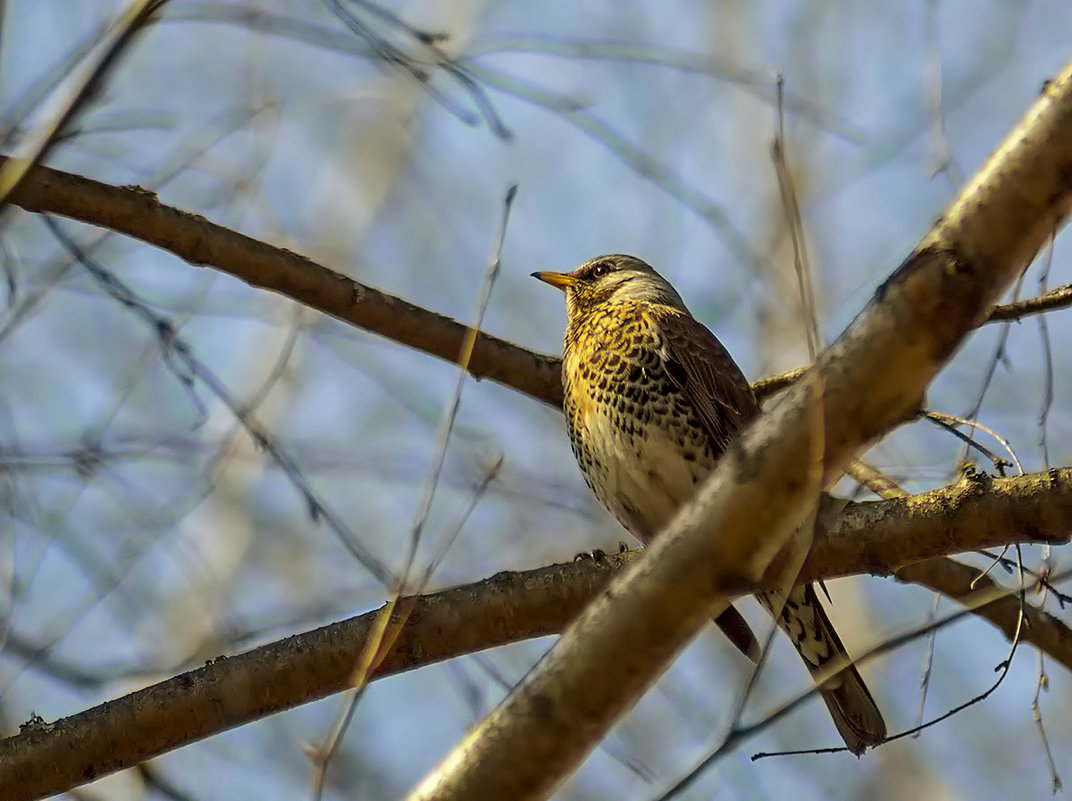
<point>877,536</point>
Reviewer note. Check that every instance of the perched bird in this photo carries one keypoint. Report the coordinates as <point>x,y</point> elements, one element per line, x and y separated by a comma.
<point>652,400</point>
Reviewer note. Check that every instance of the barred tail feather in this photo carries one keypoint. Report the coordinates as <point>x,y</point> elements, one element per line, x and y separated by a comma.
<point>854,711</point>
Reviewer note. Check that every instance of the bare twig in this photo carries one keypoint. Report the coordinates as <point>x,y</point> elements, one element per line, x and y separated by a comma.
<point>427,42</point>
<point>874,479</point>
<point>116,42</point>
<point>928,663</point>
<point>1058,298</point>
<point>1047,360</point>
<point>741,733</point>
<point>949,422</point>
<point>795,224</point>
<point>1043,683</point>
<point>189,370</point>
<point>999,356</point>
<point>943,161</point>
<point>379,645</point>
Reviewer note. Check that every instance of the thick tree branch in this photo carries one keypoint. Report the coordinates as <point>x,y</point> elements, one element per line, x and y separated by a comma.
<point>766,486</point>
<point>875,537</point>
<point>1031,507</point>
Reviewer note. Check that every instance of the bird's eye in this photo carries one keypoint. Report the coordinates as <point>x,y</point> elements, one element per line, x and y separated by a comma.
<point>601,269</point>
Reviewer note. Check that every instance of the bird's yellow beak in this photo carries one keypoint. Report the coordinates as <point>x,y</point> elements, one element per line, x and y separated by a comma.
<point>561,281</point>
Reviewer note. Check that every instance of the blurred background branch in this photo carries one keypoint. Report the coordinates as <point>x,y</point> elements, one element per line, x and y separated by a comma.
<point>146,526</point>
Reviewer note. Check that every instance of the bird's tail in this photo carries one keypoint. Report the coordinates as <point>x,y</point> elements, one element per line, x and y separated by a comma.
<point>854,711</point>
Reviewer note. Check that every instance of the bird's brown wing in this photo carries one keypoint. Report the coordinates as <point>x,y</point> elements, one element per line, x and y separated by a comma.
<point>696,362</point>
<point>712,382</point>
<point>716,388</point>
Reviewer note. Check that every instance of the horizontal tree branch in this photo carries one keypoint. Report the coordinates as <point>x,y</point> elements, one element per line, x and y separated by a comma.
<point>939,522</point>
<point>888,536</point>
<point>138,213</point>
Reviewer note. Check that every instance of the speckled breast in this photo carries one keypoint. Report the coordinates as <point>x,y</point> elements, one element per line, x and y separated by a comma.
<point>641,448</point>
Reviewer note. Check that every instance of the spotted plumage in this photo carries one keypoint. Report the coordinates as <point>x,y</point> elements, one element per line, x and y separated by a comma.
<point>652,400</point>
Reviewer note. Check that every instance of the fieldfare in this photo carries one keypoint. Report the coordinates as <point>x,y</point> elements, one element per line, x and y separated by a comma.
<point>652,400</point>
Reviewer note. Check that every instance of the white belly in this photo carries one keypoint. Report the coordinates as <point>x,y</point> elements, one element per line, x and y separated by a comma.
<point>646,478</point>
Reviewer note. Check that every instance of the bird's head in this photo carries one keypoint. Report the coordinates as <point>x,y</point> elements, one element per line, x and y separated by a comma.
<point>611,278</point>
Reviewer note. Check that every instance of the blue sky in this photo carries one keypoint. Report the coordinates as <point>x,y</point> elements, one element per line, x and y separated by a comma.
<point>635,127</point>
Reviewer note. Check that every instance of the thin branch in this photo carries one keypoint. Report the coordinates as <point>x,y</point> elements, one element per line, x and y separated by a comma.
<point>381,644</point>
<point>949,422</point>
<point>190,372</point>
<point>795,224</point>
<point>928,664</point>
<point>1045,631</point>
<point>740,733</point>
<point>944,162</point>
<point>1043,683</point>
<point>140,214</point>
<point>1047,360</point>
<point>89,85</point>
<point>869,476</point>
<point>1057,298</point>
<point>755,82</point>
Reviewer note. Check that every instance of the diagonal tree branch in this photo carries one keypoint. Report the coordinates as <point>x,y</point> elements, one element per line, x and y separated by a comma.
<point>767,485</point>
<point>887,536</point>
<point>963,583</point>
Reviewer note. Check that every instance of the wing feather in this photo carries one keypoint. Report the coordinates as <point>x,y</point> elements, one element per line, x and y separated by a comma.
<point>712,382</point>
